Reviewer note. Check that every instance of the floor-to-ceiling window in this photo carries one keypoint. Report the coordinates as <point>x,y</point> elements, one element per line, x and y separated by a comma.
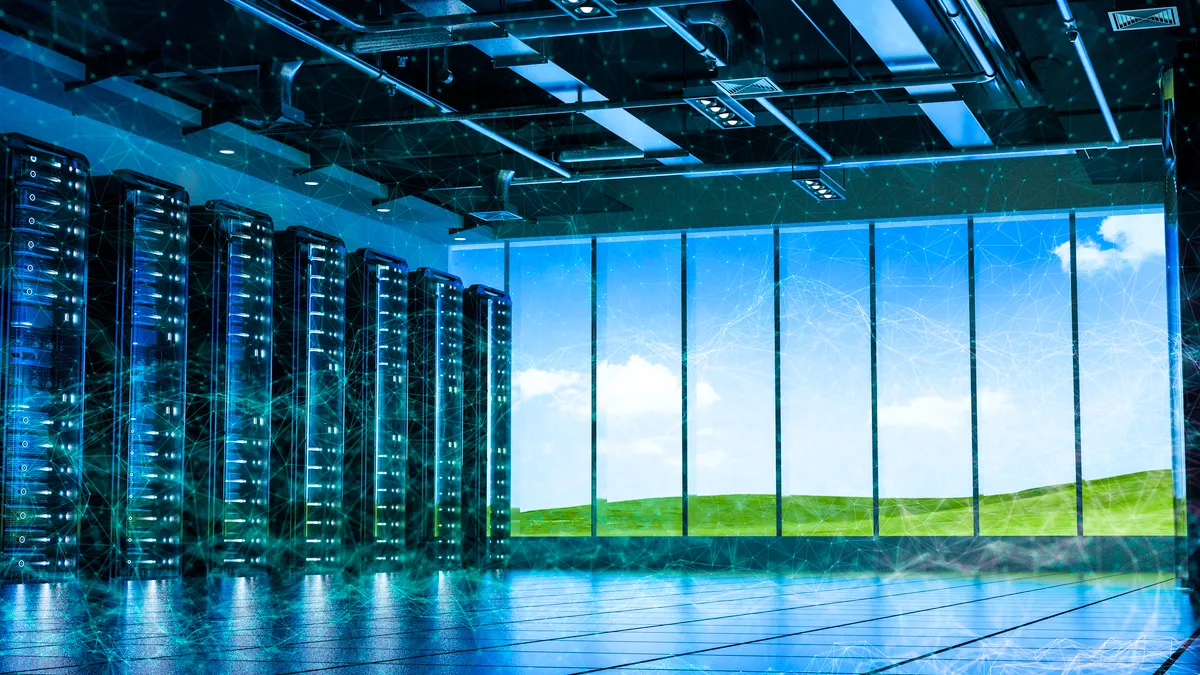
<point>1124,379</point>
<point>552,385</point>
<point>1026,403</point>
<point>479,264</point>
<point>925,474</point>
<point>639,387</point>
<point>718,341</point>
<point>825,368</point>
<point>731,384</point>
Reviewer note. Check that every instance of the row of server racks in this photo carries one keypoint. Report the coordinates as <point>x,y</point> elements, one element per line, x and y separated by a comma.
<point>185,390</point>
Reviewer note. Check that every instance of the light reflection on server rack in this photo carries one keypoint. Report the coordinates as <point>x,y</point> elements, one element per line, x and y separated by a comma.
<point>229,388</point>
<point>309,409</point>
<point>487,371</point>
<point>434,495</point>
<point>137,322</point>
<point>43,218</point>
<point>376,409</point>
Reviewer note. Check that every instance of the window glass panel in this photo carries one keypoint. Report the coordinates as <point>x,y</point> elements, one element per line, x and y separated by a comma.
<point>479,265</point>
<point>826,382</point>
<point>639,396</point>
<point>552,409</point>
<point>1026,398</point>
<point>731,385</point>
<point>1124,383</point>
<point>925,481</point>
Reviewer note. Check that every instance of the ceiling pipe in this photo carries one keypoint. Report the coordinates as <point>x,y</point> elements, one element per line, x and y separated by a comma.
<point>682,31</point>
<point>854,87</point>
<point>964,30</point>
<point>864,162</point>
<point>791,125</point>
<point>330,14</point>
<point>1008,69</point>
<point>390,80</point>
<point>320,7</point>
<point>436,38</point>
<point>1086,61</point>
<point>600,154</point>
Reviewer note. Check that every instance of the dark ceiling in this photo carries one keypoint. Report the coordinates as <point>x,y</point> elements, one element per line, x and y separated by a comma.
<point>212,54</point>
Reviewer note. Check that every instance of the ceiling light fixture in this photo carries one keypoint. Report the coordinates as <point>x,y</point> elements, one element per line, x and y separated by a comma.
<point>311,182</point>
<point>585,9</point>
<point>460,239</point>
<point>383,210</point>
<point>722,111</point>
<point>225,152</point>
<point>818,184</point>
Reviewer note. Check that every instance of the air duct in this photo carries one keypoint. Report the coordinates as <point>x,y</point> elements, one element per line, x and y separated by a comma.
<point>745,73</point>
<point>495,206</point>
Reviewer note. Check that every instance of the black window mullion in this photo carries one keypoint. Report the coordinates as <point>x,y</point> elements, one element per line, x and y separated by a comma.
<point>874,383</point>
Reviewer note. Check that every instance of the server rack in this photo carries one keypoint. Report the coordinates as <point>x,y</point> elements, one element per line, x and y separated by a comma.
<point>487,426</point>
<point>376,409</point>
<point>43,290</point>
<point>434,494</point>
<point>230,319</point>
<point>136,361</point>
<point>309,409</point>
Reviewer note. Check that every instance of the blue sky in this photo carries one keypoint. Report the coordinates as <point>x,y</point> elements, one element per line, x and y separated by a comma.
<point>1024,359</point>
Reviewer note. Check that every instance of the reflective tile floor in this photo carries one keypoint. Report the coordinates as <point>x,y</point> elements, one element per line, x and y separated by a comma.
<point>580,622</point>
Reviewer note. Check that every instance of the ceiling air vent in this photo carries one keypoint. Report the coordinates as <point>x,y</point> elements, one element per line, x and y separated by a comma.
<point>748,87</point>
<point>1142,19</point>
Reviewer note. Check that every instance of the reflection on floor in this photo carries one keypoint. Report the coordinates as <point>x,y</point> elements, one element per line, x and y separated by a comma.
<point>573,622</point>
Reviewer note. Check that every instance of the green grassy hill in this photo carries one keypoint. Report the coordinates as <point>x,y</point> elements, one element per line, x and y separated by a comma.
<point>1132,504</point>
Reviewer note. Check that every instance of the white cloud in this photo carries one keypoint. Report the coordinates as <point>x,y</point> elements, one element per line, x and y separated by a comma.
<point>534,382</point>
<point>944,413</point>
<point>568,388</point>
<point>938,412</point>
<point>995,401</point>
<point>706,395</point>
<point>636,387</point>
<point>1128,240</point>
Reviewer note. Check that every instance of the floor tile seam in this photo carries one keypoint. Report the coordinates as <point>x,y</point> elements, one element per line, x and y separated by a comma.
<point>434,616</point>
<point>569,616</point>
<point>951,648</point>
<point>1003,580</point>
<point>692,621</point>
<point>1178,653</point>
<point>882,618</point>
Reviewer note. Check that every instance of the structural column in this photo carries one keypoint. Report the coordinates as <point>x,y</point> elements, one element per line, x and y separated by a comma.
<point>1181,147</point>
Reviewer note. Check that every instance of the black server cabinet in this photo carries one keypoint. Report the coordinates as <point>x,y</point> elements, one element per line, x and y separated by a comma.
<point>309,388</point>
<point>376,409</point>
<point>136,365</point>
<point>487,426</point>
<point>43,290</point>
<point>230,317</point>
<point>434,497</point>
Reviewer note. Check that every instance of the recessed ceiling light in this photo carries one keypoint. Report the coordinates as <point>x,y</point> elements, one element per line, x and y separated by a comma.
<point>311,182</point>
<point>460,239</point>
<point>225,152</point>
<point>383,210</point>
